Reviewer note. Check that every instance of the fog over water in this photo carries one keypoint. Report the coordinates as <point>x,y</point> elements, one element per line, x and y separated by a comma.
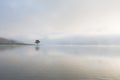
<point>27,20</point>
<point>59,63</point>
<point>65,28</point>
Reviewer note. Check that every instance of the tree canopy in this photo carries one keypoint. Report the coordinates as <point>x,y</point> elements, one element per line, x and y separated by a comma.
<point>37,41</point>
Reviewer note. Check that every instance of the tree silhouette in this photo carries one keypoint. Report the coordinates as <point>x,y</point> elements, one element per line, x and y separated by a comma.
<point>37,42</point>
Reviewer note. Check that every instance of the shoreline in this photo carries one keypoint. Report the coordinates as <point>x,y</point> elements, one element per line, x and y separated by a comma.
<point>14,44</point>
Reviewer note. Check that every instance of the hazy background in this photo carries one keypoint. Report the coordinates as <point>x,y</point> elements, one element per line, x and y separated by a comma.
<point>26,20</point>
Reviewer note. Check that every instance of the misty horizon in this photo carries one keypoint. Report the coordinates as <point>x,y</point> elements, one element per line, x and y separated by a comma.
<point>26,20</point>
<point>74,40</point>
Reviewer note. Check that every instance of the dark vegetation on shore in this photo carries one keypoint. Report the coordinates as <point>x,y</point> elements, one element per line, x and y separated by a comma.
<point>4,41</point>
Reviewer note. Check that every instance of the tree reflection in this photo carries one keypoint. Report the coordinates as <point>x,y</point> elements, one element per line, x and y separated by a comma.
<point>37,48</point>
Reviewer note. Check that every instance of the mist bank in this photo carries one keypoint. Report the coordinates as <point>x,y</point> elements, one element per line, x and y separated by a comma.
<point>83,40</point>
<point>73,40</point>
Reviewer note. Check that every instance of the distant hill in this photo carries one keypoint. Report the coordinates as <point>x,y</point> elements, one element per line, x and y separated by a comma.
<point>10,42</point>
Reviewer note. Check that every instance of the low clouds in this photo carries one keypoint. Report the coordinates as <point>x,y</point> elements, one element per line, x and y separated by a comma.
<point>57,18</point>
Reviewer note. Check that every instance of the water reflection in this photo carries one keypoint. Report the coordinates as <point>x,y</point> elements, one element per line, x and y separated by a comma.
<point>37,48</point>
<point>60,63</point>
<point>8,47</point>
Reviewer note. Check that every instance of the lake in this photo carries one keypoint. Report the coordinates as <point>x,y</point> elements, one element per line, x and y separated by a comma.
<point>59,62</point>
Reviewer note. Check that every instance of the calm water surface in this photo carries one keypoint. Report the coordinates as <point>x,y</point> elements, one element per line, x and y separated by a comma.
<point>59,63</point>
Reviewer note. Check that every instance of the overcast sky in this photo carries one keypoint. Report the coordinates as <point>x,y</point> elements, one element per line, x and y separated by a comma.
<point>36,19</point>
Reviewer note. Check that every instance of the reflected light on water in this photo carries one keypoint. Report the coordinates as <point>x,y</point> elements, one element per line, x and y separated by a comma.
<point>60,63</point>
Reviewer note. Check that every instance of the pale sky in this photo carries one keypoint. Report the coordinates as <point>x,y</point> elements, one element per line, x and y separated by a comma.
<point>36,19</point>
